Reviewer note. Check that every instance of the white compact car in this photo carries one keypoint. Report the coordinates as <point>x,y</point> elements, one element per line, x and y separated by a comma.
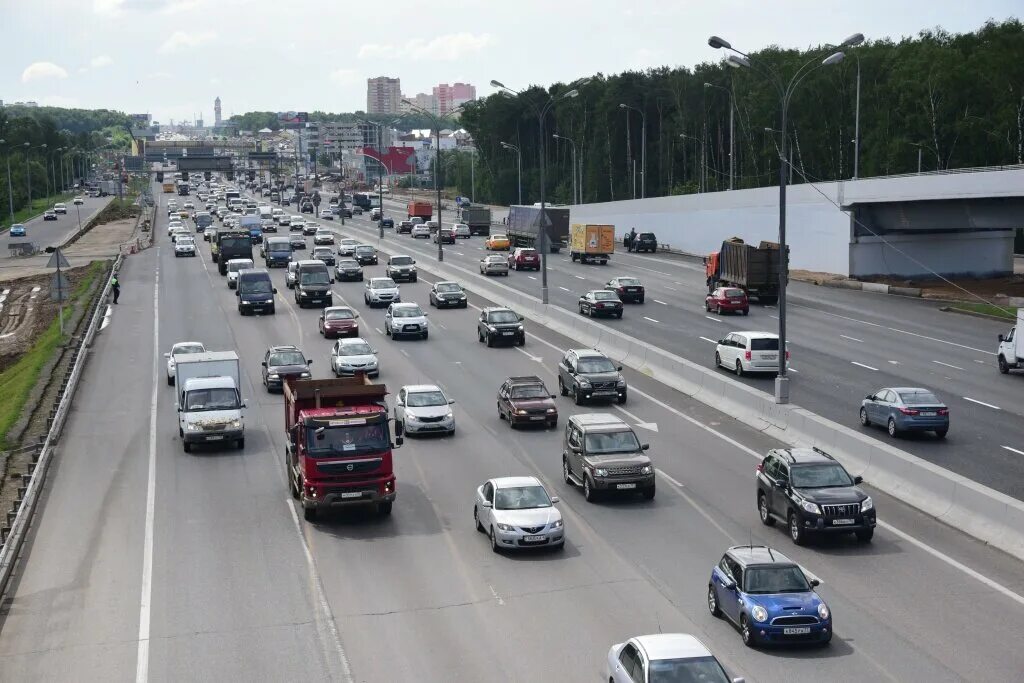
<point>179,349</point>
<point>664,656</point>
<point>744,352</point>
<point>462,231</point>
<point>184,246</point>
<point>380,291</point>
<point>352,355</point>
<point>517,513</point>
<point>405,320</point>
<point>347,246</point>
<point>323,237</point>
<point>424,409</point>
<point>421,230</point>
<point>235,265</point>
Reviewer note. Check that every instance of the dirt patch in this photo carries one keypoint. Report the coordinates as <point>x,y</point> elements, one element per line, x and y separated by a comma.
<point>99,244</point>
<point>813,276</point>
<point>991,290</point>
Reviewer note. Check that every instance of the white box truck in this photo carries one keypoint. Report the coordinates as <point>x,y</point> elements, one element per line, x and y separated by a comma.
<point>209,399</point>
<point>1011,346</point>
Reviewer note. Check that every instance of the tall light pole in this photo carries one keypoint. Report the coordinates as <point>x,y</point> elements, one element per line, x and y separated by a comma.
<point>28,174</point>
<point>785,92</point>
<point>732,144</point>
<point>643,147</point>
<point>542,229</point>
<point>856,125</point>
<point>519,166</point>
<point>380,170</point>
<point>556,136</point>
<point>10,189</point>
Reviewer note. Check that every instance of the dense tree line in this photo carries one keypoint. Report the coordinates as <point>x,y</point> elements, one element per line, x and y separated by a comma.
<point>256,120</point>
<point>71,137</point>
<point>950,101</point>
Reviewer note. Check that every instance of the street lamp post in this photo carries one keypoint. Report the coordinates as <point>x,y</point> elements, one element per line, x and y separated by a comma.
<point>785,91</point>
<point>643,147</point>
<point>519,166</point>
<point>856,127</point>
<point>732,144</point>
<point>573,143</point>
<point>542,228</point>
<point>380,171</point>
<point>10,189</point>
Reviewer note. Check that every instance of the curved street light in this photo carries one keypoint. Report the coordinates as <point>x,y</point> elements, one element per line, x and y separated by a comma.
<point>643,147</point>
<point>519,165</point>
<point>785,92</point>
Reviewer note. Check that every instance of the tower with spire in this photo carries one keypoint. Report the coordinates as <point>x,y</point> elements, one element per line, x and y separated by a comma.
<point>216,112</point>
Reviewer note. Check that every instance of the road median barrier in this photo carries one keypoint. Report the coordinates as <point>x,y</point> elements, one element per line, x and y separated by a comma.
<point>987,515</point>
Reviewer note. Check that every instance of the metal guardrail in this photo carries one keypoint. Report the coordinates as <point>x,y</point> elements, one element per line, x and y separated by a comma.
<point>950,171</point>
<point>19,518</point>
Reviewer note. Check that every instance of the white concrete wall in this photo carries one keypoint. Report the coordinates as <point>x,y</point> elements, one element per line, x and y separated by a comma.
<point>983,254</point>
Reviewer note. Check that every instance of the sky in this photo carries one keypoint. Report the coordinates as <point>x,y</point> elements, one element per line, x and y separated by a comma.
<point>171,58</point>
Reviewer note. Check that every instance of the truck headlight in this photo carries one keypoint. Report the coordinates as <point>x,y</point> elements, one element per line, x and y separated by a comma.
<point>268,301</point>
<point>520,328</point>
<point>600,472</point>
<point>867,504</point>
<point>808,506</point>
<point>646,469</point>
<point>193,427</point>
<point>759,613</point>
<point>302,292</point>
<point>236,424</point>
<point>823,611</point>
<point>304,374</point>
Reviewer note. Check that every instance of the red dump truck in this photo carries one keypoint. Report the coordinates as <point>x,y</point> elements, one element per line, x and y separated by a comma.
<point>755,270</point>
<point>339,444</point>
<point>424,210</point>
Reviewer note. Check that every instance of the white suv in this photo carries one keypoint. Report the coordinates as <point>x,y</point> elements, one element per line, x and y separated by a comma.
<point>381,290</point>
<point>744,352</point>
<point>405,319</point>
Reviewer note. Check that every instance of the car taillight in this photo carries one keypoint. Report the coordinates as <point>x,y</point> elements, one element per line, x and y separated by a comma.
<point>760,467</point>
<point>746,355</point>
<point>787,355</point>
<point>909,411</point>
<point>943,411</point>
<point>620,290</point>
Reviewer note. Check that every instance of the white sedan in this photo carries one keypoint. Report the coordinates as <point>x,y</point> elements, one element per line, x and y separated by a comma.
<point>664,657</point>
<point>325,214</point>
<point>424,409</point>
<point>421,230</point>
<point>323,237</point>
<point>179,349</point>
<point>517,513</point>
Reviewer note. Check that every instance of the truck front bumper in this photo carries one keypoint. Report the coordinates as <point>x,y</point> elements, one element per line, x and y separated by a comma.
<point>315,495</point>
<point>212,436</point>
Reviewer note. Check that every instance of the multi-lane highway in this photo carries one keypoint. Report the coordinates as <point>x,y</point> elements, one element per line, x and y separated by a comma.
<point>50,233</point>
<point>845,345</point>
<point>150,563</point>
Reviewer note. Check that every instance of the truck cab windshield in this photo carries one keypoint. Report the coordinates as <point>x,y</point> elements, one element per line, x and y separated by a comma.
<point>349,440</point>
<point>211,399</point>
<point>255,286</point>
<point>316,277</point>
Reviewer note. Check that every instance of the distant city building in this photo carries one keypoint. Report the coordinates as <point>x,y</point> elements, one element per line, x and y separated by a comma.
<point>450,97</point>
<point>30,103</point>
<point>199,123</point>
<point>216,113</point>
<point>383,95</point>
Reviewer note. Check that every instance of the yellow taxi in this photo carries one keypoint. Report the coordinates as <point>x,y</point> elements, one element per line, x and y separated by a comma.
<point>183,213</point>
<point>497,243</point>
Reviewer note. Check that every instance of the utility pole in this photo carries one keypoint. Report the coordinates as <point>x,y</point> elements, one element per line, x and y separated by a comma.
<point>856,128</point>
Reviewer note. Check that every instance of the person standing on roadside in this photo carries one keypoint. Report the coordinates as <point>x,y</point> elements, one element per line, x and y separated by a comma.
<point>115,285</point>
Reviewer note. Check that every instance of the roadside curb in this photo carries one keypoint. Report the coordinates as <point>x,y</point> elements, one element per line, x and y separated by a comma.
<point>874,287</point>
<point>976,314</point>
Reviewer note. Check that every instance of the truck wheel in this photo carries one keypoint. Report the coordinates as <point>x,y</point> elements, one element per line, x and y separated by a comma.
<point>384,509</point>
<point>186,446</point>
<point>240,444</point>
<point>309,514</point>
<point>170,380</point>
<point>1004,367</point>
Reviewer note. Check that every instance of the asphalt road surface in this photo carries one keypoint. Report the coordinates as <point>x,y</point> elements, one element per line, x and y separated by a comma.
<point>51,233</point>
<point>145,561</point>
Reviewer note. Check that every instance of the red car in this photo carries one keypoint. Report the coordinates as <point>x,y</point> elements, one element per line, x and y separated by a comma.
<point>727,299</point>
<point>524,258</point>
<point>339,321</point>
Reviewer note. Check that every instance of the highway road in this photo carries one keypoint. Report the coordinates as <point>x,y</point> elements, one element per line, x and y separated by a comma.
<point>148,562</point>
<point>845,345</point>
<point>51,233</point>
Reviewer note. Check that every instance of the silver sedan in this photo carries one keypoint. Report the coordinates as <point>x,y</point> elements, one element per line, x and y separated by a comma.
<point>517,513</point>
<point>493,265</point>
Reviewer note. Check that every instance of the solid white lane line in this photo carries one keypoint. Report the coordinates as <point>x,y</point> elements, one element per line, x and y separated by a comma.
<point>564,289</point>
<point>708,340</point>
<point>660,302</point>
<point>1014,450</point>
<point>717,320</point>
<point>671,479</point>
<point>146,592</point>
<point>579,277</point>
<point>532,277</point>
<point>981,403</point>
<point>859,341</point>
<point>866,367</point>
<point>939,362</point>
<point>652,319</point>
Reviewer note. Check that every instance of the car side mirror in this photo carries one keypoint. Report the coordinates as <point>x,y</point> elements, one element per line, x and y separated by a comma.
<point>398,404</point>
<point>399,440</point>
<point>554,499</point>
<point>869,397</point>
<point>309,362</point>
<point>553,396</point>
<point>815,583</point>
<point>275,290</point>
<point>331,280</point>
<point>167,355</point>
<point>238,293</point>
<point>264,363</point>
<point>487,504</point>
<point>728,583</point>
<point>414,261</point>
<point>619,368</point>
<point>858,479</point>
<point>521,318</point>
<point>644,446</point>
<point>739,679</point>
<point>1002,338</point>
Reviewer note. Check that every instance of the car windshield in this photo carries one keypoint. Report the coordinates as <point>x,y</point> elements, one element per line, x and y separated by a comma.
<point>406,312</point>
<point>185,241</point>
<point>690,670</point>
<point>364,250</point>
<point>356,349</point>
<point>521,498</point>
<point>819,476</point>
<point>448,287</point>
<point>348,263</point>
<point>316,277</point>
<point>764,344</point>
<point>775,579</point>
<point>286,358</point>
<point>255,286</point>
<point>598,443</point>
<point>423,399</point>
<point>918,397</point>
<point>528,252</point>
<point>349,243</point>
<point>495,259</point>
<point>401,261</point>
<point>235,266</point>
<point>502,317</point>
<point>321,253</point>
<point>646,235</point>
<point>339,314</point>
<point>323,233</point>
<point>733,293</point>
<point>588,366</point>
<point>279,246</point>
<point>347,440</point>
<point>382,283</point>
<point>530,391</point>
<point>605,296</point>
<point>188,348</point>
<point>211,399</point>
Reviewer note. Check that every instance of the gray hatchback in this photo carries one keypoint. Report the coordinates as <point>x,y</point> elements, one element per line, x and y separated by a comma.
<point>905,409</point>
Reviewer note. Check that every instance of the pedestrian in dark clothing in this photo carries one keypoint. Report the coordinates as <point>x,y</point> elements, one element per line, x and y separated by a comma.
<point>115,285</point>
<point>632,239</point>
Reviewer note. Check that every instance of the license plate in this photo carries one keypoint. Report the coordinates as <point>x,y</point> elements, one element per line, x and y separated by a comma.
<point>506,334</point>
<point>531,539</point>
<point>769,356</point>
<point>214,438</point>
<point>734,301</point>
<point>537,417</point>
<point>352,494</point>
<point>632,289</point>
<point>842,522</point>
<point>625,486</point>
<point>928,414</point>
<point>796,630</point>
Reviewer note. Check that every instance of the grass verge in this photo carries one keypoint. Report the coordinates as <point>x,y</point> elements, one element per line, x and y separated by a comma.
<point>1007,313</point>
<point>17,381</point>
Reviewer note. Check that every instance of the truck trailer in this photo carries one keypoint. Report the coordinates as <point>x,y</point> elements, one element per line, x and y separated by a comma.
<point>478,218</point>
<point>209,399</point>
<point>424,210</point>
<point>338,445</point>
<point>1010,354</point>
<point>755,270</point>
<point>524,226</point>
<point>588,242</point>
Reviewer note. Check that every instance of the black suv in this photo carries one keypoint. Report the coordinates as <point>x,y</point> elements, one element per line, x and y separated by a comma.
<point>500,324</point>
<point>644,241</point>
<point>808,490</point>
<point>602,454</point>
<point>283,361</point>
<point>587,374</point>
<point>401,267</point>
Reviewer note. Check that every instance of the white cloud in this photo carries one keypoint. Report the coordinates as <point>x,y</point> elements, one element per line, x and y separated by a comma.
<point>109,7</point>
<point>39,70</point>
<point>445,48</point>
<point>101,61</point>
<point>345,77</point>
<point>182,40</point>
